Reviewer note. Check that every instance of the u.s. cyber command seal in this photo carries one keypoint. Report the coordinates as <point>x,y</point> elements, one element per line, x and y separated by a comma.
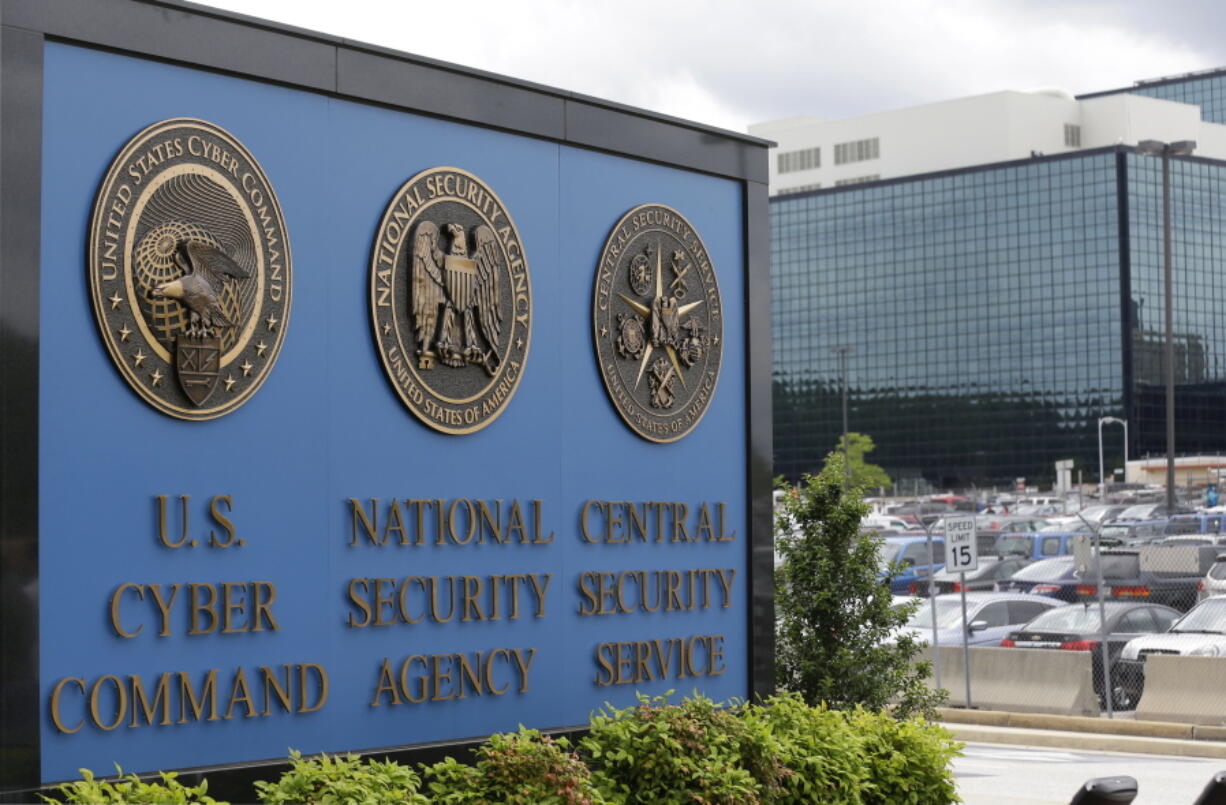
<point>451,300</point>
<point>659,323</point>
<point>189,269</point>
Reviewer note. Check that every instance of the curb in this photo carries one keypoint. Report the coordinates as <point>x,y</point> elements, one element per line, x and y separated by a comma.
<point>1098,742</point>
<point>1080,724</point>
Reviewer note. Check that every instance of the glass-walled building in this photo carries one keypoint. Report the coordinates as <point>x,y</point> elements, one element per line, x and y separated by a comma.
<point>995,313</point>
<point>1206,89</point>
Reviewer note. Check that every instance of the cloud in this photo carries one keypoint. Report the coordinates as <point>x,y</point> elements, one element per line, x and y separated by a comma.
<point>735,62</point>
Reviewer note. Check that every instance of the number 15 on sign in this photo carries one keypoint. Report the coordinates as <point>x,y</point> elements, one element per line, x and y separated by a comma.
<point>961,549</point>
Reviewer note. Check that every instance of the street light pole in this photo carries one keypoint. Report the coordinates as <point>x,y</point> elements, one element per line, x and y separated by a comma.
<point>1166,151</point>
<point>1102,478</point>
<point>843,352</point>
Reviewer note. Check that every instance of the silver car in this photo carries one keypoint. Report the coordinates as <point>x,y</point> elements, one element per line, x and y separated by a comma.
<point>990,616</point>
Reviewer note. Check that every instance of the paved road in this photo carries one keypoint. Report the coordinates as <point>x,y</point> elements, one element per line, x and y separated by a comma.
<point>999,774</point>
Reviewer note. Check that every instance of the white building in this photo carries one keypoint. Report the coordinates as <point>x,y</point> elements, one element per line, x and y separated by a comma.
<point>814,153</point>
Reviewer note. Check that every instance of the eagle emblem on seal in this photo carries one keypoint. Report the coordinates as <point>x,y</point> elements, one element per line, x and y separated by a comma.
<point>450,300</point>
<point>457,318</point>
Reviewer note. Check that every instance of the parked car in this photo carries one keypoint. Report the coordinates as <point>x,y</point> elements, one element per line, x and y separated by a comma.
<point>1054,578</point>
<point>1195,524</point>
<point>1038,545</point>
<point>1007,523</point>
<point>1133,532</point>
<point>1214,582</point>
<point>1152,511</point>
<point>885,524</point>
<point>912,553</point>
<point>1159,574</point>
<point>992,569</point>
<point>990,616</point>
<point>1079,628</point>
<point>960,503</point>
<point>1193,539</point>
<point>1102,513</point>
<point>919,513</point>
<point>1199,633</point>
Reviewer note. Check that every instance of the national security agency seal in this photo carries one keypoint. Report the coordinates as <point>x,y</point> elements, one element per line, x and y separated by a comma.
<point>658,323</point>
<point>189,269</point>
<point>451,300</point>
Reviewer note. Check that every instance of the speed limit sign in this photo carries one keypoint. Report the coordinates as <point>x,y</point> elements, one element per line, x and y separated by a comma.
<point>961,549</point>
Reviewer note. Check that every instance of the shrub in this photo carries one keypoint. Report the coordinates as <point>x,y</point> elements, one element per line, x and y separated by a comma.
<point>836,636</point>
<point>131,789</point>
<point>346,780</point>
<point>820,751</point>
<point>695,752</point>
<point>908,760</point>
<point>523,768</point>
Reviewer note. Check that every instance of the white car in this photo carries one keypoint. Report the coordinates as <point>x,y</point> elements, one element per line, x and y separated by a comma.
<point>1199,633</point>
<point>886,524</point>
<point>1214,582</point>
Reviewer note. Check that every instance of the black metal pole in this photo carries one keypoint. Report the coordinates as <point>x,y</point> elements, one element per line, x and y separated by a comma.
<point>1170,330</point>
<point>843,352</point>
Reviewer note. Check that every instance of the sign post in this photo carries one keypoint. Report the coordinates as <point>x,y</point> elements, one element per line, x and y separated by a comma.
<point>932,602</point>
<point>961,555</point>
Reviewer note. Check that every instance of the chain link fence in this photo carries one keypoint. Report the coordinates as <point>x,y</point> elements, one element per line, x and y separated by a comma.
<point>1117,630</point>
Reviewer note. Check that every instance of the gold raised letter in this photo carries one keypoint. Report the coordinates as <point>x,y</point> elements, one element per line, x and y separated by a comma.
<point>115,596</point>
<point>56,694</point>
<point>161,499</point>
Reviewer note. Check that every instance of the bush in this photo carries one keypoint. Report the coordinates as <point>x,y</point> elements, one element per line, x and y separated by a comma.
<point>836,637</point>
<point>132,789</point>
<point>346,780</point>
<point>821,753</point>
<point>908,761</point>
<point>693,752</point>
<point>779,752</point>
<point>521,768</point>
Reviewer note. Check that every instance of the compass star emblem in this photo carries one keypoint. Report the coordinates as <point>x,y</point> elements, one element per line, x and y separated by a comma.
<point>661,319</point>
<point>658,321</point>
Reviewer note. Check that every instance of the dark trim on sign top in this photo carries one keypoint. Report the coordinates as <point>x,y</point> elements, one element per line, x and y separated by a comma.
<point>21,110</point>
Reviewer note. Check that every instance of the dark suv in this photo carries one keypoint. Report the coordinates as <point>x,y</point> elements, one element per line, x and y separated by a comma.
<point>1156,574</point>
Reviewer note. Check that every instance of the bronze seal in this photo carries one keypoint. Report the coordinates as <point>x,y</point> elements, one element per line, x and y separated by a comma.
<point>658,323</point>
<point>189,269</point>
<point>451,300</point>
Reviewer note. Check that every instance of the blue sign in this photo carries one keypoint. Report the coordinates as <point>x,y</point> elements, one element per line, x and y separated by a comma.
<point>317,569</point>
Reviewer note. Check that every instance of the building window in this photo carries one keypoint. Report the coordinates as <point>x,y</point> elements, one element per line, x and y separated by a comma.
<point>804,188</point>
<point>857,151</point>
<point>802,160</point>
<point>1072,135</point>
<point>858,180</point>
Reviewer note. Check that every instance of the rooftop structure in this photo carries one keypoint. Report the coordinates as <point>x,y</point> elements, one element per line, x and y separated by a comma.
<point>818,154</point>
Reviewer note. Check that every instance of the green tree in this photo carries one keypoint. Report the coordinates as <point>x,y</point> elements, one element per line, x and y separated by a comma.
<point>863,474</point>
<point>837,634</point>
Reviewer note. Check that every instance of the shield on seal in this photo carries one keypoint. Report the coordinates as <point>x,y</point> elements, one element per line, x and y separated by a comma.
<point>198,364</point>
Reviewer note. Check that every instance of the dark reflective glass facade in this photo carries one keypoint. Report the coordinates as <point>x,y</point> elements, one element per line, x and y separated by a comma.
<point>995,314</point>
<point>1208,91</point>
<point>1198,254</point>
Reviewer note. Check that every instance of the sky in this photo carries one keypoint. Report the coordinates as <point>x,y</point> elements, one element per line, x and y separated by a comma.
<point>730,63</point>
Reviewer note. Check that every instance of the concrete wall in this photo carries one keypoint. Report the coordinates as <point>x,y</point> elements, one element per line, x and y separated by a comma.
<point>1191,690</point>
<point>1020,680</point>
